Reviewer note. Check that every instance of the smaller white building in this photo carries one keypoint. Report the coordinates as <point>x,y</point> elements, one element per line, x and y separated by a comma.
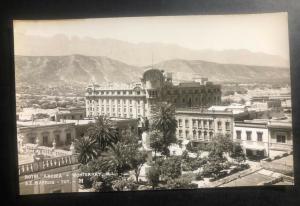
<point>253,136</point>
<point>264,138</point>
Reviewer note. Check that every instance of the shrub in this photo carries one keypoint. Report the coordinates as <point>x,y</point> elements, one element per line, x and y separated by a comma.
<point>199,176</point>
<point>124,185</point>
<point>171,167</point>
<point>104,182</point>
<point>180,183</point>
<point>211,169</point>
<point>153,176</point>
<point>219,175</point>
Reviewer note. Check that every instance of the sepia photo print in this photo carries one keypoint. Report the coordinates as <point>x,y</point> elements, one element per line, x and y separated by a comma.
<point>153,103</point>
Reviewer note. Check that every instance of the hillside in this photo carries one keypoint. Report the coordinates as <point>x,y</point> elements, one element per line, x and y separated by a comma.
<point>79,70</point>
<point>73,70</point>
<point>186,70</point>
<point>138,54</point>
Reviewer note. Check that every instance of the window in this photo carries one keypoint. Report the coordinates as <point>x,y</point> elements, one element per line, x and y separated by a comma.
<point>238,134</point>
<point>186,123</point>
<point>57,139</point>
<point>69,138</point>
<point>280,139</point>
<point>211,135</point>
<point>205,135</point>
<point>180,133</point>
<point>45,140</point>
<point>187,134</point>
<point>205,124</point>
<point>259,136</point>
<point>249,134</point>
<point>194,134</point>
<point>210,124</point>
<point>227,126</point>
<point>194,123</point>
<point>199,134</point>
<point>199,124</point>
<point>219,125</point>
<point>180,122</point>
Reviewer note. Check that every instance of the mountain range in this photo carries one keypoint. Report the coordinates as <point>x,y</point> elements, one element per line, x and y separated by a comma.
<point>79,70</point>
<point>137,54</point>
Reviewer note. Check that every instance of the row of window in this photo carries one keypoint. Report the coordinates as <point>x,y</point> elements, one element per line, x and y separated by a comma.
<point>200,100</point>
<point>203,124</point>
<point>249,135</point>
<point>113,102</point>
<point>196,91</point>
<point>57,137</point>
<point>113,115</point>
<point>113,109</point>
<point>196,135</point>
<point>118,92</point>
<point>279,138</point>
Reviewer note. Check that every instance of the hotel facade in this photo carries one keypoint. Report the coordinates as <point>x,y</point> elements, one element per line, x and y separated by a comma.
<point>136,100</point>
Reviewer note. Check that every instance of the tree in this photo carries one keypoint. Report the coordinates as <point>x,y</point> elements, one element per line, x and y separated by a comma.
<point>171,168</point>
<point>136,161</point>
<point>103,132</point>
<point>153,176</point>
<point>117,159</point>
<point>164,120</point>
<point>123,158</point>
<point>87,149</point>
<point>220,145</point>
<point>156,143</point>
<point>237,153</point>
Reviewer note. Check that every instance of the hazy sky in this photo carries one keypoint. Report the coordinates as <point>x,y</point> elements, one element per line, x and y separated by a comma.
<point>266,33</point>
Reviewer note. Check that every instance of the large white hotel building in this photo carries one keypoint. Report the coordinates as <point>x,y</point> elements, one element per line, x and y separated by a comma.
<point>135,100</point>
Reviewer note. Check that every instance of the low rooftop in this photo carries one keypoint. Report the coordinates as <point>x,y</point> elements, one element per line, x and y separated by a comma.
<point>39,123</point>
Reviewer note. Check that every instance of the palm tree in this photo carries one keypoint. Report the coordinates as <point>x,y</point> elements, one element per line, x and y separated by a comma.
<point>103,132</point>
<point>164,121</point>
<point>117,160</point>
<point>87,149</point>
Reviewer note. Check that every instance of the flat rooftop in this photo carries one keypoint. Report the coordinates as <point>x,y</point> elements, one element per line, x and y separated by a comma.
<point>39,122</point>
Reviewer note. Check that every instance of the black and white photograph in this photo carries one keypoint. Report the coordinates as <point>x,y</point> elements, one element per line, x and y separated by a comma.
<point>153,103</point>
